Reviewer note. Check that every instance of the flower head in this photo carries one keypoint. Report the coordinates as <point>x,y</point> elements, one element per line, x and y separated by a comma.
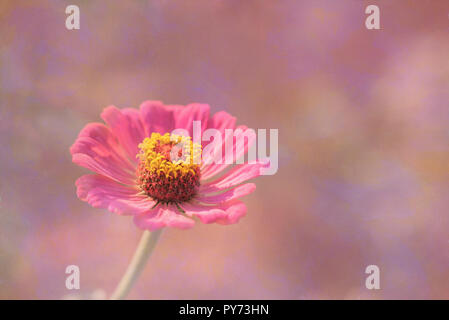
<point>141,168</point>
<point>168,172</point>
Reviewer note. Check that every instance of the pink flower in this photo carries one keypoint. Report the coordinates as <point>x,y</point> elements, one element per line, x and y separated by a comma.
<point>135,174</point>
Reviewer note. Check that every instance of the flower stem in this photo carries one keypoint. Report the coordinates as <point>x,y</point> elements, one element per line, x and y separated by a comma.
<point>138,261</point>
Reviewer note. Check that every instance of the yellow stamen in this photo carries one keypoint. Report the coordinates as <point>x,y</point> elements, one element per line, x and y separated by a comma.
<point>170,155</point>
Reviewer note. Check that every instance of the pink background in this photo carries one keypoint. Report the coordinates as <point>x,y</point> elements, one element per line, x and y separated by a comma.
<point>363,145</point>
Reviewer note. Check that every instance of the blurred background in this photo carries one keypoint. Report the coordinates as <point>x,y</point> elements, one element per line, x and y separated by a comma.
<point>363,145</point>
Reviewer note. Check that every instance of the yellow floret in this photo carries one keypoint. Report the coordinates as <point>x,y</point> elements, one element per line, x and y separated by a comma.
<point>156,162</point>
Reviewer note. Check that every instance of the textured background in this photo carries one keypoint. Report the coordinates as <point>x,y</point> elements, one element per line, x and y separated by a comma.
<point>363,151</point>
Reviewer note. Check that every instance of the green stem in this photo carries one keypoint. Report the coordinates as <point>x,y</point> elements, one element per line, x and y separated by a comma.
<point>138,261</point>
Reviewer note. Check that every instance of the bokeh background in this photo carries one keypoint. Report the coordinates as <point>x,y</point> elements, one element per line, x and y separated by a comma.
<point>363,145</point>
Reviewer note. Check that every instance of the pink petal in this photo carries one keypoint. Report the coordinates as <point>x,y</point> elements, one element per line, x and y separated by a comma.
<point>221,121</point>
<point>193,112</point>
<point>161,118</point>
<point>213,168</point>
<point>227,213</point>
<point>235,210</point>
<point>97,149</point>
<point>157,117</point>
<point>126,125</point>
<point>228,195</point>
<point>235,176</point>
<point>163,216</point>
<point>102,192</point>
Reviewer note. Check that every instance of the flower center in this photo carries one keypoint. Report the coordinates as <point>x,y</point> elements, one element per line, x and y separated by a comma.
<point>169,170</point>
